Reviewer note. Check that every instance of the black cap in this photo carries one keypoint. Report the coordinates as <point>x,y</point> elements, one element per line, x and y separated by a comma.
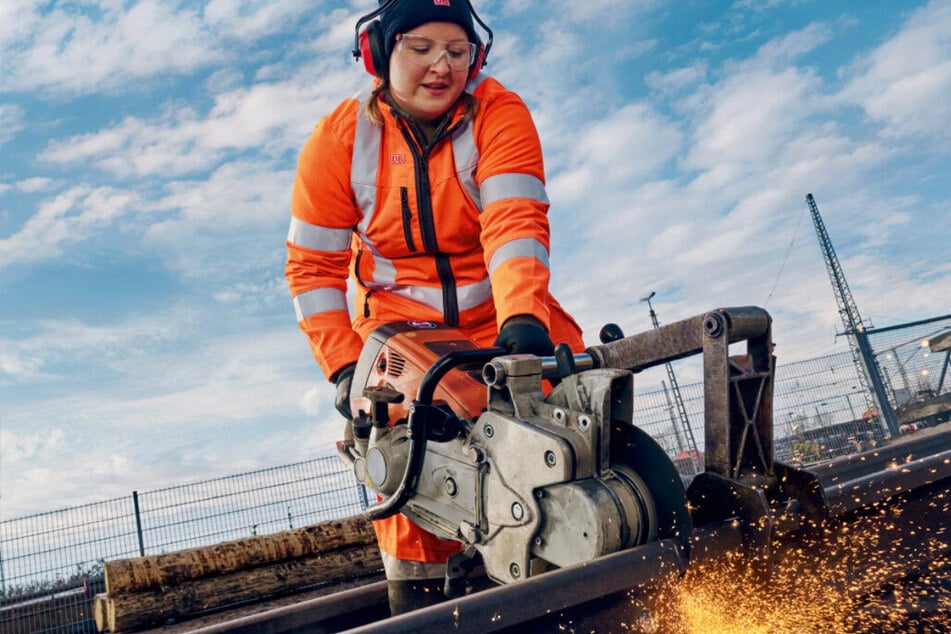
<point>406,15</point>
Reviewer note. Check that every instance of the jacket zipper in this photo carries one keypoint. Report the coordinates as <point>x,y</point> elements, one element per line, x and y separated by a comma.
<point>427,224</point>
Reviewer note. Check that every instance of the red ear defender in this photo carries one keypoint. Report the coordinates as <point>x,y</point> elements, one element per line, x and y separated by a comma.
<point>371,50</point>
<point>478,63</point>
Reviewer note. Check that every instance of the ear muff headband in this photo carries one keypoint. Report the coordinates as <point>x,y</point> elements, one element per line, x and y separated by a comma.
<point>368,43</point>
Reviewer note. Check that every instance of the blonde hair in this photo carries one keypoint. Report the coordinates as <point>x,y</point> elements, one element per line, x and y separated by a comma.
<point>371,108</point>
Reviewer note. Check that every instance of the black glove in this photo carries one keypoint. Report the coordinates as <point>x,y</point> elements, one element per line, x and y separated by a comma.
<point>343,381</point>
<point>523,334</point>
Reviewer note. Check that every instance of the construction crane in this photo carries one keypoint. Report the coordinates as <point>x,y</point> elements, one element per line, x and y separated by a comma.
<point>862,355</point>
<point>691,442</point>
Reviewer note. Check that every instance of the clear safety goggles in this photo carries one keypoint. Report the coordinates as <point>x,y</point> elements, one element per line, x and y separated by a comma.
<point>426,52</point>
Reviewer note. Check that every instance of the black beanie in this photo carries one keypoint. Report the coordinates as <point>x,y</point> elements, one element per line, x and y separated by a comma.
<point>406,15</point>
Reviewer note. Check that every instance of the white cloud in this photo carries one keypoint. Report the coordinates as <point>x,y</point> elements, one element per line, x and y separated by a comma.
<point>252,19</point>
<point>677,80</point>
<point>596,11</point>
<point>245,293</point>
<point>170,145</point>
<point>628,146</point>
<point>235,195</point>
<point>316,401</point>
<point>68,50</point>
<point>149,380</point>
<point>12,120</point>
<point>68,218</point>
<point>52,344</point>
<point>109,46</point>
<point>747,118</point>
<point>905,84</point>
<point>272,118</point>
<point>36,184</point>
<point>786,49</point>
<point>37,445</point>
<point>18,19</point>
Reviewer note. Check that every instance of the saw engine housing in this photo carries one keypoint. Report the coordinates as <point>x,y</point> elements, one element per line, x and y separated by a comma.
<point>466,443</point>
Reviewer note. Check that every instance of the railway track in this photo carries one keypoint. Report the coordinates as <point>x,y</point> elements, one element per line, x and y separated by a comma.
<point>865,549</point>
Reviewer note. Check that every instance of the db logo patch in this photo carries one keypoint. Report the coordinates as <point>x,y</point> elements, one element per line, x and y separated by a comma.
<point>441,3</point>
<point>397,159</point>
<point>422,325</point>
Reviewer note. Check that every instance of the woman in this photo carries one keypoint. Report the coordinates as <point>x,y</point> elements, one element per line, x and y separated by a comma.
<point>429,190</point>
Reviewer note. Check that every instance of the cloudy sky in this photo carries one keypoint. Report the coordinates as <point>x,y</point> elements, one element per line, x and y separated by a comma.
<point>148,147</point>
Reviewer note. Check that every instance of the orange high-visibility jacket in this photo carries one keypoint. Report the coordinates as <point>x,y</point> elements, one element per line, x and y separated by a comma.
<point>456,234</point>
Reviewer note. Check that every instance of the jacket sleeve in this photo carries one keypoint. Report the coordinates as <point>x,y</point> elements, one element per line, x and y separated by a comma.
<point>515,231</point>
<point>323,215</point>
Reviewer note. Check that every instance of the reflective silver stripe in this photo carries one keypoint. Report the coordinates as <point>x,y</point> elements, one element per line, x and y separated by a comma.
<point>384,271</point>
<point>367,140</point>
<point>316,238</point>
<point>520,248</point>
<point>505,186</point>
<point>384,279</point>
<point>405,570</point>
<point>468,296</point>
<point>319,300</point>
<point>466,155</point>
<point>472,295</point>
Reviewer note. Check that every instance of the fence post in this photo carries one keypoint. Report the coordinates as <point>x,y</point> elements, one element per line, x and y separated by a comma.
<point>138,522</point>
<point>878,389</point>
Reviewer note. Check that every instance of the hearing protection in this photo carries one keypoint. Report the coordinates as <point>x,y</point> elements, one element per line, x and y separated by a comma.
<point>369,46</point>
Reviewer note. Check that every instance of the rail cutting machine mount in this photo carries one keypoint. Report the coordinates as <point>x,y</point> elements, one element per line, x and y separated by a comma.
<point>559,495</point>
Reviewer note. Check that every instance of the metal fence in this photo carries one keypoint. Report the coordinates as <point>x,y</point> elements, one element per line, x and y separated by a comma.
<point>914,361</point>
<point>51,563</point>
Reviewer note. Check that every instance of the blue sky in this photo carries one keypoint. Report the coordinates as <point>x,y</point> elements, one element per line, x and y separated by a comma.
<point>146,334</point>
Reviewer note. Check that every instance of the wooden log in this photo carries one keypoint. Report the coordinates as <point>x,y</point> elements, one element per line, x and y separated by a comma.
<point>99,612</point>
<point>155,572</point>
<point>137,610</point>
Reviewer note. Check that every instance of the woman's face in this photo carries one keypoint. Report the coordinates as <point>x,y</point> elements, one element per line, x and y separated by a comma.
<point>427,91</point>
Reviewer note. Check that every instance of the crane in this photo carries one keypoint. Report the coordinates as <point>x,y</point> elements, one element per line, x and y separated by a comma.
<point>691,448</point>
<point>862,354</point>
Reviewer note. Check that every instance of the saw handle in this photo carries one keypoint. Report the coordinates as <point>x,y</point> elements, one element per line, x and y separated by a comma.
<point>419,419</point>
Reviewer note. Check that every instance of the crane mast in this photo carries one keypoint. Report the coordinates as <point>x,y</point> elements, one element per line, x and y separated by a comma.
<point>862,355</point>
<point>691,448</point>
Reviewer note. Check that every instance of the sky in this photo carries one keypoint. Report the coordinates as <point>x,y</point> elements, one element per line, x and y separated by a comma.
<point>148,148</point>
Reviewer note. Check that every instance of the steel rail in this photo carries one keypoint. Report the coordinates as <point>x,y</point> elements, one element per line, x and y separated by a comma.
<point>362,610</point>
<point>318,615</point>
<point>878,486</point>
<point>511,605</point>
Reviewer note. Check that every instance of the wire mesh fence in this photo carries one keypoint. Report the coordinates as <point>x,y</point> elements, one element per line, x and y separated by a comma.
<point>51,563</point>
<point>820,410</point>
<point>914,361</point>
<point>818,413</point>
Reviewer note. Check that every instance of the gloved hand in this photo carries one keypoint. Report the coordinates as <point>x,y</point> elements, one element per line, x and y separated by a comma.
<point>523,334</point>
<point>344,380</point>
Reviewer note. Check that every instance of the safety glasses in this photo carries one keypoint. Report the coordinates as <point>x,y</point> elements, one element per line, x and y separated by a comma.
<point>425,51</point>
